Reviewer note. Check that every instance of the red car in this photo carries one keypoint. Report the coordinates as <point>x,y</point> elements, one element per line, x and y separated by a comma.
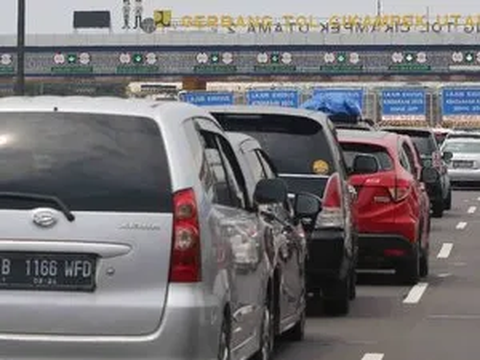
<point>391,206</point>
<point>425,203</point>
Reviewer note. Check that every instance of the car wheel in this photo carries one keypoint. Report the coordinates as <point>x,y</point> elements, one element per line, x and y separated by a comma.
<point>448,200</point>
<point>424,263</point>
<point>353,285</point>
<point>297,333</point>
<point>409,272</point>
<point>224,352</point>
<point>314,302</point>
<point>338,302</point>
<point>438,208</point>
<point>267,334</point>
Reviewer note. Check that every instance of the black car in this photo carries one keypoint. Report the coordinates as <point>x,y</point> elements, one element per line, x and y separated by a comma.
<point>303,146</point>
<point>440,193</point>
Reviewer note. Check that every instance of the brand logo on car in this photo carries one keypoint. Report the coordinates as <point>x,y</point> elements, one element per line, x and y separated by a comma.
<point>139,226</point>
<point>45,218</point>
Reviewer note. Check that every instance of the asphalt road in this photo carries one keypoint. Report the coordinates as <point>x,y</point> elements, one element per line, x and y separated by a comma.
<point>438,319</point>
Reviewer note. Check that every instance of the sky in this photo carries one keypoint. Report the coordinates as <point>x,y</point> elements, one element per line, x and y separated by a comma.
<point>56,16</point>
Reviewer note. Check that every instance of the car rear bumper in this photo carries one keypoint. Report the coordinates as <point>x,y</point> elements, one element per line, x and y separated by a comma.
<point>383,251</point>
<point>189,319</point>
<point>464,175</point>
<point>327,258</point>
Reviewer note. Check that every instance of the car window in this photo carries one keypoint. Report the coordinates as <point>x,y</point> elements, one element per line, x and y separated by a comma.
<point>410,158</point>
<point>350,150</point>
<point>466,147</point>
<point>425,144</point>
<point>234,172</point>
<point>270,172</point>
<point>424,140</point>
<point>404,159</point>
<point>92,162</point>
<point>215,179</point>
<point>255,165</point>
<point>295,145</point>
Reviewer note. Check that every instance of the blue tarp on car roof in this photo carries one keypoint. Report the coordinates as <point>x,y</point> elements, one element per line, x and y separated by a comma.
<point>336,106</point>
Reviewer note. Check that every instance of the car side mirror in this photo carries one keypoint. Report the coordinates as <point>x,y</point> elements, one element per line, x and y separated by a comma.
<point>270,191</point>
<point>447,156</point>
<point>364,164</point>
<point>429,175</point>
<point>307,205</point>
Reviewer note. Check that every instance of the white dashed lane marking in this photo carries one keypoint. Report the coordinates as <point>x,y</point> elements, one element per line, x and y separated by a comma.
<point>461,225</point>
<point>415,293</point>
<point>445,251</point>
<point>444,275</point>
<point>373,356</point>
<point>472,209</point>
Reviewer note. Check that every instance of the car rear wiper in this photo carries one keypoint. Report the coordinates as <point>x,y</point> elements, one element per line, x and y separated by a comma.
<point>42,198</point>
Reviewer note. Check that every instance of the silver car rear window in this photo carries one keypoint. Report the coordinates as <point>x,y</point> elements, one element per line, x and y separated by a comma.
<point>92,162</point>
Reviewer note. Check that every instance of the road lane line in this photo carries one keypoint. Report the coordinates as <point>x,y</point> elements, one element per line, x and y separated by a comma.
<point>478,198</point>
<point>461,225</point>
<point>472,209</point>
<point>455,317</point>
<point>373,356</point>
<point>415,293</point>
<point>444,275</point>
<point>445,251</point>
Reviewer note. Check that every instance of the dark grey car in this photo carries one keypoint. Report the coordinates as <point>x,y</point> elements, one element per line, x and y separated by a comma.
<point>303,146</point>
<point>440,193</point>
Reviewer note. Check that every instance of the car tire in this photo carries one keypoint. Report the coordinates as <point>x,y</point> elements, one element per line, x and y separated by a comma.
<point>448,200</point>
<point>437,209</point>
<point>424,263</point>
<point>314,304</point>
<point>297,333</point>
<point>409,272</point>
<point>224,350</point>
<point>353,285</point>
<point>267,331</point>
<point>338,302</point>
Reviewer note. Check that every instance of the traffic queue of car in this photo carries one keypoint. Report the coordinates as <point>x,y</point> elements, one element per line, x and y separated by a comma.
<point>145,229</point>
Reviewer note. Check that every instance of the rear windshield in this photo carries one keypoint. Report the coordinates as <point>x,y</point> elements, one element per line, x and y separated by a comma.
<point>423,140</point>
<point>350,150</point>
<point>295,144</point>
<point>92,162</point>
<point>467,147</point>
<point>440,138</point>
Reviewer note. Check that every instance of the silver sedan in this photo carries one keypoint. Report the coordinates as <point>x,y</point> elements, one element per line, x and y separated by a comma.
<point>465,163</point>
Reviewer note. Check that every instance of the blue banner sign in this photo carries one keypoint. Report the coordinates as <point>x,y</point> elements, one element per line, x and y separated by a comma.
<point>460,102</point>
<point>354,94</point>
<point>404,104</point>
<point>206,98</point>
<point>284,98</point>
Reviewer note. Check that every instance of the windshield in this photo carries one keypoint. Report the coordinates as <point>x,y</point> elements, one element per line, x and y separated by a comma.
<point>91,162</point>
<point>440,137</point>
<point>295,144</point>
<point>351,150</point>
<point>424,144</point>
<point>423,140</point>
<point>464,147</point>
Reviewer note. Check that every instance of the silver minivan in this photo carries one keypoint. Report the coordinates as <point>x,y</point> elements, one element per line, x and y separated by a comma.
<point>119,218</point>
<point>288,247</point>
